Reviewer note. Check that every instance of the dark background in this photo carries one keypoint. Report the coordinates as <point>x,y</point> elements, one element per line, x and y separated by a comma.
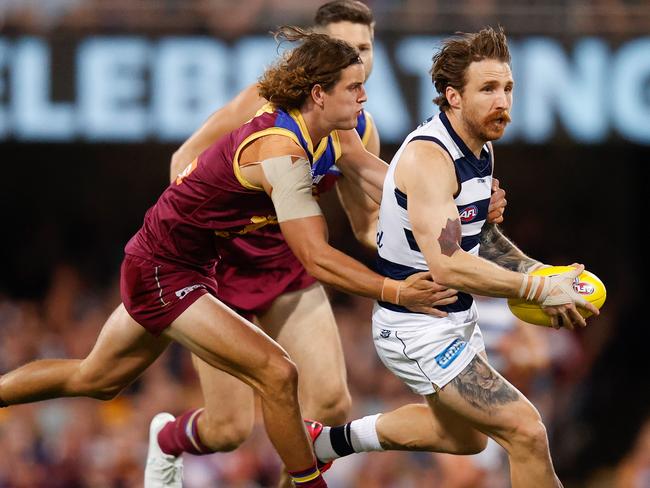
<point>80,203</point>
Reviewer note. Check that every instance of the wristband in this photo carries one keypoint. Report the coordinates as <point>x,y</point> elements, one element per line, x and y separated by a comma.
<point>390,290</point>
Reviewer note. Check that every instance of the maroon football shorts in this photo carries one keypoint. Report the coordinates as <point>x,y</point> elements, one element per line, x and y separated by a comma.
<point>251,291</point>
<point>155,294</point>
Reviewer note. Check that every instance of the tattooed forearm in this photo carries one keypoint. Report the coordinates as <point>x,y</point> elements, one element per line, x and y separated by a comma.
<point>482,387</point>
<point>450,236</point>
<point>499,249</point>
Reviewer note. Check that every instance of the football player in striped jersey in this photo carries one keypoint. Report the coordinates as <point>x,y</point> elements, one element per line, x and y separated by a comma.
<point>444,171</point>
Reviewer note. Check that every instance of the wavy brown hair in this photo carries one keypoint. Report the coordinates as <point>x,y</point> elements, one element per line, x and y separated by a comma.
<point>450,64</point>
<point>318,60</point>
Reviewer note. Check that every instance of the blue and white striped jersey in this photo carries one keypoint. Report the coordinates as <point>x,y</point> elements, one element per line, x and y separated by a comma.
<point>399,255</point>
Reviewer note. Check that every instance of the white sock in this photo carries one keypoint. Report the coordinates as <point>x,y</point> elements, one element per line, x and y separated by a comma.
<point>356,436</point>
<point>363,434</point>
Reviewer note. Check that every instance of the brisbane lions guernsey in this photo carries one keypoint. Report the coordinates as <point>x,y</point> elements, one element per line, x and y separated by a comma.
<point>399,255</point>
<point>258,266</point>
<point>210,202</point>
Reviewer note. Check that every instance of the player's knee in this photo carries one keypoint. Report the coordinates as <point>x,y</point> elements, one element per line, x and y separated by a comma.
<point>226,433</point>
<point>103,390</point>
<point>106,393</point>
<point>280,378</point>
<point>464,443</point>
<point>529,434</point>
<point>533,437</point>
<point>93,384</point>
<point>332,408</point>
<point>474,445</point>
<point>339,411</point>
<point>98,389</point>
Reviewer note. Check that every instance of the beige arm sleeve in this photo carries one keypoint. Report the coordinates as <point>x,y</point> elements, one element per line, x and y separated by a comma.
<point>290,177</point>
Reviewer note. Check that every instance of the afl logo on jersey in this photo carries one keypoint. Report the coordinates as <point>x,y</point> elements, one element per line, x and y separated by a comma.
<point>469,214</point>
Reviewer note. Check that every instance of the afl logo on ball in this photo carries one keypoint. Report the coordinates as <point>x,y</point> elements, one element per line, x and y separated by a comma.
<point>468,214</point>
<point>583,288</point>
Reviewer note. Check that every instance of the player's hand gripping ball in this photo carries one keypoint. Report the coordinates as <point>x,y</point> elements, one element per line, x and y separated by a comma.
<point>588,285</point>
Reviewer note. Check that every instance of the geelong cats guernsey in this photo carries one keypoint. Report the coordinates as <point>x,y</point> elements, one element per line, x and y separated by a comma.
<point>399,255</point>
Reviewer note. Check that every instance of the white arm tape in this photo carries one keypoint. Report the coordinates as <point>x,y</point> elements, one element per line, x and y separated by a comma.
<point>290,177</point>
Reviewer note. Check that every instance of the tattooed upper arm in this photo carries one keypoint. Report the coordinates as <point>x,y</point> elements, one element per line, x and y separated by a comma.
<point>499,249</point>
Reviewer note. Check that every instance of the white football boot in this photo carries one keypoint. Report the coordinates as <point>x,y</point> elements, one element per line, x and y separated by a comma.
<point>163,470</point>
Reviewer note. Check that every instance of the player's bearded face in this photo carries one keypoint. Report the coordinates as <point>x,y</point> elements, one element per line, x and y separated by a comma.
<point>487,99</point>
<point>490,127</point>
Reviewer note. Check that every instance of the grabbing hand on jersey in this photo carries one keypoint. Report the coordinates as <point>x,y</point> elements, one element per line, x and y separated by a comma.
<point>416,293</point>
<point>498,203</point>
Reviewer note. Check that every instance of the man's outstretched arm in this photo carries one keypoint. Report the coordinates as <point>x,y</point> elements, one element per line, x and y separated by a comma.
<point>286,177</point>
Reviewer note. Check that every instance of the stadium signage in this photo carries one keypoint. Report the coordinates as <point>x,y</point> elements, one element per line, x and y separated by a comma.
<point>134,89</point>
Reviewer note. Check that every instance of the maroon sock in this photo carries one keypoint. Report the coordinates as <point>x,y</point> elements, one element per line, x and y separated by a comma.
<point>182,435</point>
<point>308,478</point>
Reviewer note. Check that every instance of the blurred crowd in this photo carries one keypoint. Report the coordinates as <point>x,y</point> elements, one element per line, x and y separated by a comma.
<point>86,443</point>
<point>228,19</point>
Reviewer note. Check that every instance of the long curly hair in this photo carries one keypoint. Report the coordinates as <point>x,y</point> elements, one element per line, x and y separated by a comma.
<point>450,64</point>
<point>318,60</point>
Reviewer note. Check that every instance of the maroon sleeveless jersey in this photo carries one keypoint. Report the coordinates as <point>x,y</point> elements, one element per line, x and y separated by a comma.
<point>257,267</point>
<point>211,213</point>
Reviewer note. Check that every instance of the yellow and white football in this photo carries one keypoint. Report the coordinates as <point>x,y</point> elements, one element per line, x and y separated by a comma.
<point>587,284</point>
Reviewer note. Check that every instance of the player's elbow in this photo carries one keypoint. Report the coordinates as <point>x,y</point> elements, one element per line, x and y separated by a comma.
<point>315,261</point>
<point>313,264</point>
<point>444,275</point>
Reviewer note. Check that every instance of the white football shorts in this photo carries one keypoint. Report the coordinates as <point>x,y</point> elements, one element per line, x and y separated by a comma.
<point>426,352</point>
